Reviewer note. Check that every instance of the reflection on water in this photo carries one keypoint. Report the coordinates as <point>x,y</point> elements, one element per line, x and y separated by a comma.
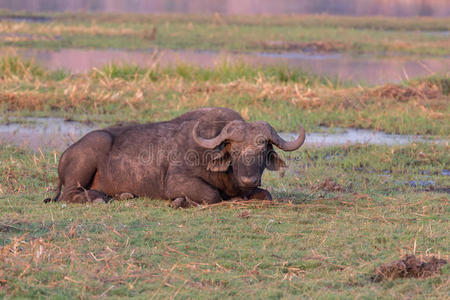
<point>361,69</point>
<point>43,133</point>
<point>358,136</point>
<point>245,7</point>
<point>55,133</point>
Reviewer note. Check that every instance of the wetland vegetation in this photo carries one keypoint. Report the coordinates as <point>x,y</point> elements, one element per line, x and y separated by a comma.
<point>377,35</point>
<point>339,212</point>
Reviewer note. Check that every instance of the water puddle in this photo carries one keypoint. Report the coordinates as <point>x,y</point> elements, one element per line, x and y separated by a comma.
<point>359,136</point>
<point>438,33</point>
<point>25,18</point>
<point>241,7</point>
<point>360,69</point>
<point>43,133</point>
<point>56,133</point>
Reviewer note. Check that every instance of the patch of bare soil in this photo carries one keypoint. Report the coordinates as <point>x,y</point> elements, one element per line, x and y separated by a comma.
<point>402,93</point>
<point>329,185</point>
<point>303,46</point>
<point>409,267</point>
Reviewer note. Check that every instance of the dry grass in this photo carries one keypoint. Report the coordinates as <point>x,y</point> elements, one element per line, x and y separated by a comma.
<point>425,91</point>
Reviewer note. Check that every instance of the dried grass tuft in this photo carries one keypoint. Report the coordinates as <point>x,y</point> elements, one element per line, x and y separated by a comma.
<point>425,90</point>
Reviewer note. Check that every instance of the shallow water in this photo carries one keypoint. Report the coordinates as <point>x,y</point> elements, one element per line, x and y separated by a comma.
<point>399,8</point>
<point>359,69</point>
<point>55,133</point>
<point>342,136</point>
<point>43,133</point>
<point>32,19</point>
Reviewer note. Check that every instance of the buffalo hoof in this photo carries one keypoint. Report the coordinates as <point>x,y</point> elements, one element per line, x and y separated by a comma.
<point>102,199</point>
<point>98,200</point>
<point>261,194</point>
<point>237,199</point>
<point>91,196</point>
<point>126,196</point>
<point>47,200</point>
<point>179,202</point>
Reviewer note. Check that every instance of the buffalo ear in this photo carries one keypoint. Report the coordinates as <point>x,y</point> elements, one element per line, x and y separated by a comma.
<point>220,162</point>
<point>274,162</point>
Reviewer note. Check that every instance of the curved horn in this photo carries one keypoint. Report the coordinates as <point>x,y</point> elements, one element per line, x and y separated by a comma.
<point>208,143</point>
<point>288,146</point>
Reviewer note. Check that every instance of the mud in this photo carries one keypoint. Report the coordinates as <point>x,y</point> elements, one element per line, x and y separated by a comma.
<point>409,267</point>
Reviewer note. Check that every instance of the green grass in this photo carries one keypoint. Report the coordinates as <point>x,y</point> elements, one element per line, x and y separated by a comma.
<point>339,212</point>
<point>312,242</point>
<point>380,35</point>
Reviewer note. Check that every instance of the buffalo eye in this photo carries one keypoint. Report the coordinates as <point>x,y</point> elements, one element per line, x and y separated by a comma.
<point>260,140</point>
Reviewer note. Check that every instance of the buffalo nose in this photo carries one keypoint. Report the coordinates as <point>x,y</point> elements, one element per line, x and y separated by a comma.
<point>252,180</point>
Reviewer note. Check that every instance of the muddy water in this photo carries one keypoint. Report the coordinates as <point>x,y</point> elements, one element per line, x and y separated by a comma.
<point>359,69</point>
<point>398,8</point>
<point>43,133</point>
<point>55,133</point>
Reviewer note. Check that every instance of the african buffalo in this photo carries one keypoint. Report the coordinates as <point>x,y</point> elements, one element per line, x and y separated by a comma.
<point>204,156</point>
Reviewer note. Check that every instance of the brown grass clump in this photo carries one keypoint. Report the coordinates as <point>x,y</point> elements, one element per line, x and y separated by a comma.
<point>425,90</point>
<point>409,267</point>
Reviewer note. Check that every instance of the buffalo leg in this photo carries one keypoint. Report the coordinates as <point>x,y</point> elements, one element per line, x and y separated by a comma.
<point>91,196</point>
<point>191,189</point>
<point>260,194</point>
<point>179,202</point>
<point>78,166</point>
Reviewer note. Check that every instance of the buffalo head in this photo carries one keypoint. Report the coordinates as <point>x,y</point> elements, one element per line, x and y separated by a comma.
<point>247,148</point>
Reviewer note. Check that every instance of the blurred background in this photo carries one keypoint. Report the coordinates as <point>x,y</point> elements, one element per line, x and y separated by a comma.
<point>398,8</point>
<point>386,41</point>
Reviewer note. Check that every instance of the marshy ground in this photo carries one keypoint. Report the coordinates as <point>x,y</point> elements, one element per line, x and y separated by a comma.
<point>340,212</point>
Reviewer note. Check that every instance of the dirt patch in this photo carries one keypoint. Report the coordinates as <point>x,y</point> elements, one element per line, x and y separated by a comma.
<point>303,46</point>
<point>329,185</point>
<point>403,93</point>
<point>409,267</point>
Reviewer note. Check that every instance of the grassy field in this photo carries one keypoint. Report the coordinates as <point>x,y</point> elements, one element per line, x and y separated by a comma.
<point>339,213</point>
<point>379,35</point>
<point>278,95</point>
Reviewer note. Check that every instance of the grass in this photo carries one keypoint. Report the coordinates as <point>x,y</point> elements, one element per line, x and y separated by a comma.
<point>278,95</point>
<point>315,240</point>
<point>379,35</point>
<point>339,212</point>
